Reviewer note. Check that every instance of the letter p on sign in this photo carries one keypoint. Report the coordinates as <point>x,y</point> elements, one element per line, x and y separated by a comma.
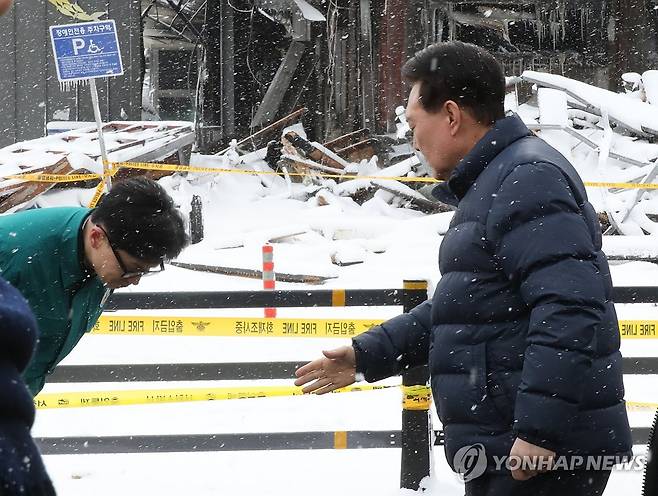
<point>78,44</point>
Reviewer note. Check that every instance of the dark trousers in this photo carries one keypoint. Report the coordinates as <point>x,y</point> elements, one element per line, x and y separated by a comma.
<point>557,483</point>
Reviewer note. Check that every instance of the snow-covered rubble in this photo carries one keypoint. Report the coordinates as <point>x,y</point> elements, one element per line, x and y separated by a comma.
<point>609,137</point>
<point>322,222</point>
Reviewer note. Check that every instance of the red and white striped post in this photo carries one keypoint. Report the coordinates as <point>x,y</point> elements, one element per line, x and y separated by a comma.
<point>268,276</point>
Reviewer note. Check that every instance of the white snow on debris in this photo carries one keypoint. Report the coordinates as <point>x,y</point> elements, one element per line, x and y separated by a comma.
<point>650,83</point>
<point>609,137</point>
<point>124,141</point>
<point>631,246</point>
<point>309,12</point>
<point>629,110</point>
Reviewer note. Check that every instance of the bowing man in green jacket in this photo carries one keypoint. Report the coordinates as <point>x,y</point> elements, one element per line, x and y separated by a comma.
<point>67,260</point>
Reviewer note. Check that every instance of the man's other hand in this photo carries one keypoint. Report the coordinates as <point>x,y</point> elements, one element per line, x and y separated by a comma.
<point>336,369</point>
<point>528,460</point>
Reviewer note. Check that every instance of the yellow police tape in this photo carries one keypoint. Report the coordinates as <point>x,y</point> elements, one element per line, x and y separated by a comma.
<point>638,329</point>
<point>640,405</point>
<point>621,185</point>
<point>213,170</point>
<point>100,188</point>
<point>154,396</point>
<point>141,325</point>
<point>54,178</point>
<point>413,397</point>
<point>114,167</point>
<point>110,323</point>
<point>416,397</point>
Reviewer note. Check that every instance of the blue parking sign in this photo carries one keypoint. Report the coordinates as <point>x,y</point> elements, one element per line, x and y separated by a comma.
<point>86,50</point>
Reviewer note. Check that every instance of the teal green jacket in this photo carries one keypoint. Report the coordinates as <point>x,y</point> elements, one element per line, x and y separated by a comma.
<point>40,256</point>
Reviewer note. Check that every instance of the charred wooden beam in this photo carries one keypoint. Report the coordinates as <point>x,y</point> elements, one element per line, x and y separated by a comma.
<point>415,200</point>
<point>253,273</point>
<point>348,139</point>
<point>260,138</point>
<point>301,164</point>
<point>283,92</point>
<point>366,64</point>
<point>217,99</point>
<point>363,150</point>
<point>15,194</point>
<point>314,151</point>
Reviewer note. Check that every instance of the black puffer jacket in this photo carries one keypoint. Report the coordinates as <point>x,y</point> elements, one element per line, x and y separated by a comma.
<point>21,468</point>
<point>521,335</point>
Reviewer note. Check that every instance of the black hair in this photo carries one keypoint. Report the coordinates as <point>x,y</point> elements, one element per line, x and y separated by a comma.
<point>141,219</point>
<point>464,73</point>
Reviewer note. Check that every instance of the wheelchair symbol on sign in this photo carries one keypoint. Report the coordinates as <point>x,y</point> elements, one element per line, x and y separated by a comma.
<point>94,48</point>
<point>79,45</point>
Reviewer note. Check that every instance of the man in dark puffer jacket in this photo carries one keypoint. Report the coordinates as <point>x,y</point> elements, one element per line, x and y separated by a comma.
<point>521,336</point>
<point>21,468</point>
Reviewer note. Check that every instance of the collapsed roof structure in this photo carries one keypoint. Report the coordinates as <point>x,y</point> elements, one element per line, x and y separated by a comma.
<point>257,60</point>
<point>233,66</point>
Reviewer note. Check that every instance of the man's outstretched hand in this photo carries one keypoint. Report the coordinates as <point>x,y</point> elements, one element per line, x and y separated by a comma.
<point>336,369</point>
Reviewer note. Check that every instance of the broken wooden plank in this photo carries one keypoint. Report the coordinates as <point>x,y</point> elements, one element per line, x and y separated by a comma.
<point>253,273</point>
<point>631,258</point>
<point>415,199</point>
<point>260,139</point>
<point>314,151</point>
<point>348,139</point>
<point>16,194</point>
<point>363,150</point>
<point>291,64</point>
<point>278,239</point>
<point>297,162</point>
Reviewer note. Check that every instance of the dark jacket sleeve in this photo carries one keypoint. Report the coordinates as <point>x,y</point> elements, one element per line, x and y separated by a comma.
<point>543,244</point>
<point>399,343</point>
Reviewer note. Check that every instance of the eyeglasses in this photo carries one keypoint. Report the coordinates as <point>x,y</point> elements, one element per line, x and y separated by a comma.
<point>126,273</point>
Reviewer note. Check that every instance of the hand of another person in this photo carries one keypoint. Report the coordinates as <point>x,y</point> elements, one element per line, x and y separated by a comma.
<point>528,460</point>
<point>335,370</point>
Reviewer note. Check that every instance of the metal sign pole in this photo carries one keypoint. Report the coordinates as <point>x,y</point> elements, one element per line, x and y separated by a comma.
<point>101,139</point>
<point>84,51</point>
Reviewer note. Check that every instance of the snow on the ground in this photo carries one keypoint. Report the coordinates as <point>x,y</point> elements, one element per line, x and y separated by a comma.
<point>262,473</point>
<point>294,472</point>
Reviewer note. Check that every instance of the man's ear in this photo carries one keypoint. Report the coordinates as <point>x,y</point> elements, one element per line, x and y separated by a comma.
<point>454,113</point>
<point>96,238</point>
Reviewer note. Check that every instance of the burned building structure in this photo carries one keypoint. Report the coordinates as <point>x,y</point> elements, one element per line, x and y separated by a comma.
<point>254,61</point>
<point>234,66</point>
